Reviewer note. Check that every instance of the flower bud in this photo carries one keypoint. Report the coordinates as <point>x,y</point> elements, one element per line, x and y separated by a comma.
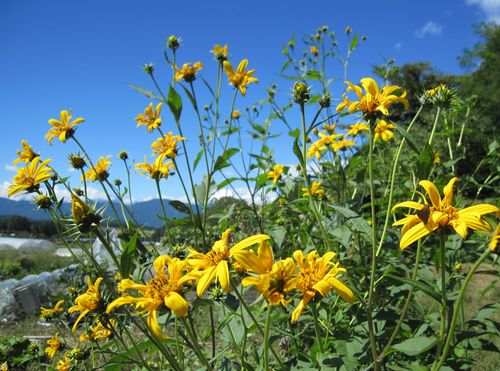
<point>123,155</point>
<point>118,182</point>
<point>301,93</point>
<point>148,68</point>
<point>76,161</point>
<point>173,42</point>
<point>83,215</point>
<point>325,100</point>
<point>43,202</point>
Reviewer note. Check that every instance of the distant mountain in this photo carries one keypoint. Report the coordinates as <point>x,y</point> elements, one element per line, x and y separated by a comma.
<point>146,212</point>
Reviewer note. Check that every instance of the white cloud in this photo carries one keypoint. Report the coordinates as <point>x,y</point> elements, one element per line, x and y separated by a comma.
<point>93,193</point>
<point>11,168</point>
<point>491,8</point>
<point>398,46</point>
<point>429,29</point>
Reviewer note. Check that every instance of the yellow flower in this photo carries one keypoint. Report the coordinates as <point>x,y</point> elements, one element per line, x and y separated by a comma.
<point>374,99</point>
<point>26,155</point>
<point>275,280</point>
<point>49,312</point>
<point>87,302</point>
<point>53,346</point>
<point>151,119</point>
<point>161,290</point>
<point>495,239</point>
<point>241,78</point>
<point>166,145</point>
<point>220,53</point>
<point>63,128</point>
<point>64,364</point>
<point>188,71</point>
<point>235,114</point>
<point>158,169</point>
<point>343,144</point>
<point>318,275</point>
<point>99,171</point>
<point>214,264</point>
<point>316,190</point>
<point>440,214</point>
<point>4,367</point>
<point>276,173</point>
<point>316,149</point>
<point>329,128</point>
<point>28,178</point>
<point>356,128</point>
<point>314,50</point>
<point>384,130</point>
<point>99,331</point>
<point>84,216</point>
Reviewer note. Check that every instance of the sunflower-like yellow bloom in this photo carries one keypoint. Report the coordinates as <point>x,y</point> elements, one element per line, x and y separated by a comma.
<point>64,364</point>
<point>99,171</point>
<point>188,71</point>
<point>318,275</point>
<point>4,367</point>
<point>214,265</point>
<point>166,145</point>
<point>316,149</point>
<point>98,331</point>
<point>150,118</point>
<point>87,302</point>
<point>49,312</point>
<point>220,52</point>
<point>374,99</point>
<point>158,169</point>
<point>275,174</point>
<point>357,128</point>
<point>162,290</point>
<point>240,78</point>
<point>440,214</point>
<point>342,145</point>
<point>383,131</point>
<point>28,178</point>
<point>495,239</point>
<point>53,346</point>
<point>313,49</point>
<point>315,191</point>
<point>276,280</point>
<point>26,155</point>
<point>235,114</point>
<point>63,128</point>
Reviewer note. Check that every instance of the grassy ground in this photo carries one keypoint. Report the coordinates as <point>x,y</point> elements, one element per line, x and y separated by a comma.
<point>17,264</point>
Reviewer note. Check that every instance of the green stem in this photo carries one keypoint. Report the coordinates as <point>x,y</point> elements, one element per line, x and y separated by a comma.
<point>369,306</point>
<point>456,309</point>
<point>444,301</point>
<point>266,337</point>
<point>405,306</point>
<point>395,163</point>
<point>434,126</point>
<point>317,330</point>
<point>128,183</point>
<point>195,345</point>
<point>157,181</point>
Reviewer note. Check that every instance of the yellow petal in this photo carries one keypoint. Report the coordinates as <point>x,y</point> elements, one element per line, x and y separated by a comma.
<point>479,210</point>
<point>432,191</point>
<point>205,280</point>
<point>83,314</point>
<point>460,227</point>
<point>153,324</point>
<point>249,241</point>
<point>176,303</point>
<point>448,191</point>
<point>341,289</point>
<point>223,275</point>
<point>417,232</point>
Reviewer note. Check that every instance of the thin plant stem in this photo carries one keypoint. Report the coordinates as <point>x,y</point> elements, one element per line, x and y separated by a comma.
<point>157,181</point>
<point>434,126</point>
<point>266,337</point>
<point>456,309</point>
<point>195,345</point>
<point>317,330</point>
<point>444,301</point>
<point>405,306</point>
<point>369,306</point>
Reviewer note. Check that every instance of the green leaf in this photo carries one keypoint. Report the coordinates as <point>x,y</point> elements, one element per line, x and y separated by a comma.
<point>197,159</point>
<point>226,182</point>
<point>278,235</point>
<point>147,93</point>
<point>175,103</point>
<point>179,206</point>
<point>404,134</point>
<point>357,222</point>
<point>425,162</point>
<point>415,346</point>
<point>209,87</point>
<point>297,151</point>
<point>354,44</point>
<point>127,255</point>
<point>313,75</point>
<point>222,160</point>
<point>422,286</point>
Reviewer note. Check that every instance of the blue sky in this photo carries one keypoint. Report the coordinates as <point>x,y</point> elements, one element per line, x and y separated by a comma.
<point>81,55</point>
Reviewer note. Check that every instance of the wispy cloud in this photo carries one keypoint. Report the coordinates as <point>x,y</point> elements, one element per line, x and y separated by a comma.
<point>10,168</point>
<point>398,46</point>
<point>491,9</point>
<point>429,29</point>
